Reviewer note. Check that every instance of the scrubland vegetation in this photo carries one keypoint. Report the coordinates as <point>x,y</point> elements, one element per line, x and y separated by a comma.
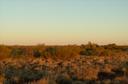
<point>69,64</point>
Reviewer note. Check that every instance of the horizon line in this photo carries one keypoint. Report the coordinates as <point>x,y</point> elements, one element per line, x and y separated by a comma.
<point>45,44</point>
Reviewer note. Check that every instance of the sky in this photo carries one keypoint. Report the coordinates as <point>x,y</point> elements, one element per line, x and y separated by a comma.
<point>58,22</point>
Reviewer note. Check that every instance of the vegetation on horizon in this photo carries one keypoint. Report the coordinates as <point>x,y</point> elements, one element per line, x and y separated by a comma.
<point>63,52</point>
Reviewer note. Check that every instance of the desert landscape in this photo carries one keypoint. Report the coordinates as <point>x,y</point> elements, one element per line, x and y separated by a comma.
<point>63,41</point>
<point>69,64</point>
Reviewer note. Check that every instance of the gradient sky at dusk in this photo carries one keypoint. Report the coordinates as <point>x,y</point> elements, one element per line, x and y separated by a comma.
<point>63,21</point>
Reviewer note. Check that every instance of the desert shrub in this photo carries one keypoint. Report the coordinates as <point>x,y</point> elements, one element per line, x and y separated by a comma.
<point>125,49</point>
<point>50,51</point>
<point>90,49</point>
<point>96,50</point>
<point>111,46</point>
<point>36,53</point>
<point>106,76</point>
<point>119,72</point>
<point>63,80</point>
<point>124,66</point>
<point>9,72</point>
<point>10,75</point>
<point>22,75</point>
<point>88,52</point>
<point>61,52</point>
<point>18,52</point>
<point>28,75</point>
<point>9,81</point>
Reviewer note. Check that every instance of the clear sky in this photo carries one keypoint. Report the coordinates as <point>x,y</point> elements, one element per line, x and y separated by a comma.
<point>63,21</point>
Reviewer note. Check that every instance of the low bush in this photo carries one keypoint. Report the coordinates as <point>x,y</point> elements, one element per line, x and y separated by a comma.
<point>36,53</point>
<point>63,80</point>
<point>18,52</point>
<point>22,75</point>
